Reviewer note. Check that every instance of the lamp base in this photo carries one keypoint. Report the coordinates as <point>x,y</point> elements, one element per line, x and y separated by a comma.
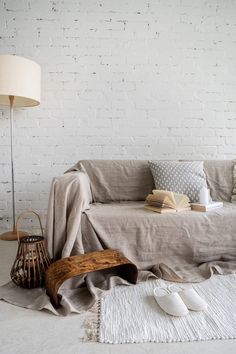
<point>12,236</point>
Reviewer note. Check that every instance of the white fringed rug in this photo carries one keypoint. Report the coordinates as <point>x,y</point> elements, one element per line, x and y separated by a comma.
<point>129,314</point>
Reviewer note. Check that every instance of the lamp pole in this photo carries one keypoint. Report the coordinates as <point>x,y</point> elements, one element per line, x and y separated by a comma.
<point>11,235</point>
<point>11,99</point>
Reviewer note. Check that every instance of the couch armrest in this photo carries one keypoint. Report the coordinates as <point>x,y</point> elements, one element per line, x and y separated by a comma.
<point>70,195</point>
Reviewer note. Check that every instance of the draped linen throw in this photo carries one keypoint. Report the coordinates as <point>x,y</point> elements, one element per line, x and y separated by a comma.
<point>69,197</point>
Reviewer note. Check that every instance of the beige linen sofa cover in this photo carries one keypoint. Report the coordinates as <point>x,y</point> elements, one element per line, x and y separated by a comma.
<point>187,246</point>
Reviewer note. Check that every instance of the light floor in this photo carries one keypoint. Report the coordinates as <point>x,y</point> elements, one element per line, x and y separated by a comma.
<point>28,332</point>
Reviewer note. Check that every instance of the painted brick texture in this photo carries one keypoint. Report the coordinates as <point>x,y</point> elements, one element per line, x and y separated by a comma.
<point>135,79</point>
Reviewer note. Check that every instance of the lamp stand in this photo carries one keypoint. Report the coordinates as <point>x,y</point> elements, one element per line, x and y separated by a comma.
<point>11,235</point>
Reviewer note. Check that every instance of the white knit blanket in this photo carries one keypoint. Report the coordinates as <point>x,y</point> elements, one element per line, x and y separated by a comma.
<point>129,314</point>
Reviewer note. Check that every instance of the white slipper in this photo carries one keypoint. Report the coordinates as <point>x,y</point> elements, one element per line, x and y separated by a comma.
<point>170,302</point>
<point>190,297</point>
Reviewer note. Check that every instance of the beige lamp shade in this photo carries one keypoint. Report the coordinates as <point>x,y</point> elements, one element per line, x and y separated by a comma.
<point>21,78</point>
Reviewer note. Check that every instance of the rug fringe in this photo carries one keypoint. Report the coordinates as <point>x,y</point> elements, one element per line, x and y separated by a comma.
<point>91,324</point>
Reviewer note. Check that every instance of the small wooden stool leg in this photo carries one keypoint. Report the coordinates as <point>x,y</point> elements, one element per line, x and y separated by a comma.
<point>69,267</point>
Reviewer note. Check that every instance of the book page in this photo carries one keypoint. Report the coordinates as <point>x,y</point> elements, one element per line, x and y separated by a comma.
<point>181,200</point>
<point>166,197</point>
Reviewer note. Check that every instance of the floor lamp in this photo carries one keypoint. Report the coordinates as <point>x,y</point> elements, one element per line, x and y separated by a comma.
<point>20,80</point>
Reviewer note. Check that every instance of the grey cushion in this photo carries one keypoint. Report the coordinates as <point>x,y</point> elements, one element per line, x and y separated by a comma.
<point>118,180</point>
<point>219,174</point>
<point>185,177</point>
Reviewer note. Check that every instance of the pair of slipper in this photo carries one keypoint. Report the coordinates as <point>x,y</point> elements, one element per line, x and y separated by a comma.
<point>176,301</point>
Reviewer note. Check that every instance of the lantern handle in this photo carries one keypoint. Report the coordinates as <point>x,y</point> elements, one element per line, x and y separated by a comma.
<point>21,216</point>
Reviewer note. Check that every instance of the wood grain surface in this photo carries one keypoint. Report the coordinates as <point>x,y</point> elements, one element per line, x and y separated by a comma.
<point>69,267</point>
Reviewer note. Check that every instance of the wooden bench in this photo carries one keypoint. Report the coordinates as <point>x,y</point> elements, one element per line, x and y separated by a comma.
<point>69,267</point>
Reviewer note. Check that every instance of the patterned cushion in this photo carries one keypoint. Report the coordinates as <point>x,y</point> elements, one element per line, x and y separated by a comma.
<point>181,177</point>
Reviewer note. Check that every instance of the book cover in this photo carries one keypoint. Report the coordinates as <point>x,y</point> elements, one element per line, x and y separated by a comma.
<point>163,210</point>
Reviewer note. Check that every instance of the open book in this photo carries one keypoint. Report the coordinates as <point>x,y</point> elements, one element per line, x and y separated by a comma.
<point>167,202</point>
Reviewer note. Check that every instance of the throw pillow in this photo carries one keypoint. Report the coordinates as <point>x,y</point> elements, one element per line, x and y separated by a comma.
<point>185,177</point>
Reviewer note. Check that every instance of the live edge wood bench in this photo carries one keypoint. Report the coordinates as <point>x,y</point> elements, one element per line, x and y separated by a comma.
<point>69,267</point>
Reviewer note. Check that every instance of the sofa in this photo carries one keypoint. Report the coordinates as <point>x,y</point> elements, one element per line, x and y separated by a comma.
<point>98,204</point>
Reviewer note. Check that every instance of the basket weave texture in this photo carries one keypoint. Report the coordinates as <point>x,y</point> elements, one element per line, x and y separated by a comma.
<point>32,259</point>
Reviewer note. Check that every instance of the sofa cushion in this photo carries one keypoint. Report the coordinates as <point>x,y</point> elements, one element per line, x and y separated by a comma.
<point>185,177</point>
<point>219,174</point>
<point>116,180</point>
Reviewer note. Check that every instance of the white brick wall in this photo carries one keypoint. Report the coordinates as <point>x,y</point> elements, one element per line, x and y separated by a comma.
<point>121,79</point>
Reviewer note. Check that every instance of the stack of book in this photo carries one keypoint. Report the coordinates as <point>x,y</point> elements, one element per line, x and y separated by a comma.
<point>167,202</point>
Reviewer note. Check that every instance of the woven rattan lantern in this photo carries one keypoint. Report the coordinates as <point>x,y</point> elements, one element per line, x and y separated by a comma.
<point>32,258</point>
